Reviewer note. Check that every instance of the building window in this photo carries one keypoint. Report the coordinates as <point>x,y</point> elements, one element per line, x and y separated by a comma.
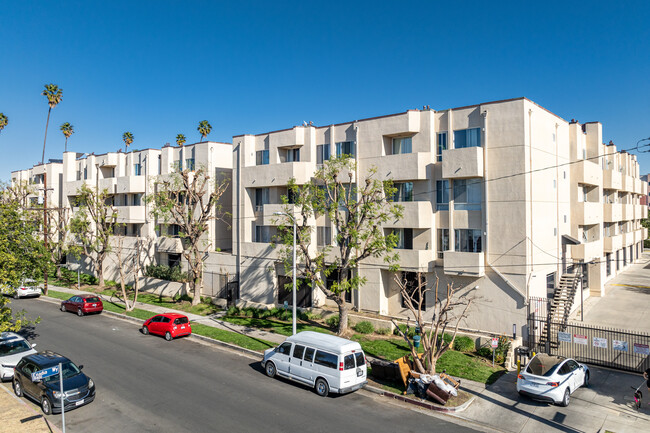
<point>137,169</point>
<point>550,285</point>
<point>261,198</point>
<point>291,155</point>
<point>443,242</point>
<point>262,234</point>
<point>322,153</point>
<point>410,281</point>
<point>262,157</point>
<point>618,263</point>
<point>467,138</point>
<point>442,144</point>
<point>442,195</point>
<point>401,145</point>
<point>608,260</point>
<point>467,194</point>
<point>345,148</point>
<point>404,239</point>
<point>404,191</point>
<point>323,236</point>
<point>468,240</point>
<point>189,164</point>
<point>173,260</point>
<point>137,200</point>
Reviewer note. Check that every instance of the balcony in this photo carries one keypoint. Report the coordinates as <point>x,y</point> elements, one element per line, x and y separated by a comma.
<point>131,214</point>
<point>587,251</point>
<point>612,179</point>
<point>640,211</point>
<point>72,188</point>
<point>465,264</point>
<point>260,176</point>
<point>628,183</point>
<point>588,213</point>
<point>612,243</point>
<point>401,167</point>
<point>628,212</point>
<point>108,184</point>
<point>259,250</point>
<point>107,160</point>
<point>462,163</point>
<point>586,172</point>
<point>640,187</point>
<point>612,212</point>
<point>131,184</point>
<point>417,215</point>
<point>169,245</point>
<point>415,260</point>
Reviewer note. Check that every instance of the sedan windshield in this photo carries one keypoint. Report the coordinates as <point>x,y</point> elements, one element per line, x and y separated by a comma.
<point>69,370</point>
<point>13,347</point>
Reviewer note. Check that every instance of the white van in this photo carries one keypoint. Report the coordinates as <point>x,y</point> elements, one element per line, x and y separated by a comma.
<point>326,362</point>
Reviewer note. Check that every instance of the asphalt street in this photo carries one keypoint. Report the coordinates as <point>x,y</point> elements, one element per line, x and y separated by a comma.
<point>146,384</point>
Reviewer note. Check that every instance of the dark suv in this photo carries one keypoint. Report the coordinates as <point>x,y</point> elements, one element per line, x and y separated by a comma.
<point>78,388</point>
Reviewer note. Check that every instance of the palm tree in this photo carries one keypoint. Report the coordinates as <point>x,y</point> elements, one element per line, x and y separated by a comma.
<point>204,128</point>
<point>180,140</point>
<point>54,96</point>
<point>128,139</point>
<point>67,130</point>
<point>4,120</point>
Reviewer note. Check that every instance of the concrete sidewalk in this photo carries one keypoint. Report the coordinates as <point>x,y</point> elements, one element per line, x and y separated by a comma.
<point>605,406</point>
<point>212,320</point>
<point>17,416</point>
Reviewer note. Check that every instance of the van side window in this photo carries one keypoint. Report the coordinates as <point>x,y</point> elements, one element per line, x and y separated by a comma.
<point>326,359</point>
<point>309,354</point>
<point>298,350</point>
<point>348,362</point>
<point>361,360</point>
<point>285,348</point>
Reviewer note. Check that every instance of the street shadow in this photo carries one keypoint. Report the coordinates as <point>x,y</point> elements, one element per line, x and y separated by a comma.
<point>28,332</point>
<point>257,366</point>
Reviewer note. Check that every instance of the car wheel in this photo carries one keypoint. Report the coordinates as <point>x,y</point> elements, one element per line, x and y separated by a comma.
<point>145,330</point>
<point>567,397</point>
<point>270,369</point>
<point>62,308</point>
<point>586,382</point>
<point>80,312</point>
<point>18,390</point>
<point>322,388</point>
<point>46,405</point>
<point>16,295</point>
<point>168,336</point>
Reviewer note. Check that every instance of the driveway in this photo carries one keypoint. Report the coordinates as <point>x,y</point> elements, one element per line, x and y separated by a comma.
<point>605,406</point>
<point>626,304</point>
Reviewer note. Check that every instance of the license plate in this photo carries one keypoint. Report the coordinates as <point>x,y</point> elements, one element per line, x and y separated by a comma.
<point>359,372</point>
<point>80,402</point>
<point>94,305</point>
<point>183,327</point>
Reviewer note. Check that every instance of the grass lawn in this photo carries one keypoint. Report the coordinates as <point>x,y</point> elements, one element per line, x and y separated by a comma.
<point>274,325</point>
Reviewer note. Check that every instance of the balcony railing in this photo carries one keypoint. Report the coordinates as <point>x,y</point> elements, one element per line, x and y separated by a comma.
<point>462,163</point>
<point>464,263</point>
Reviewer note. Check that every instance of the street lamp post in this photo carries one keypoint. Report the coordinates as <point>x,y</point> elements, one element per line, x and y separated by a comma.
<point>293,277</point>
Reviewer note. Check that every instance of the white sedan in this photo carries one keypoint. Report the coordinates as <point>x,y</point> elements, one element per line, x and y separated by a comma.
<point>12,348</point>
<point>552,378</point>
<point>27,289</point>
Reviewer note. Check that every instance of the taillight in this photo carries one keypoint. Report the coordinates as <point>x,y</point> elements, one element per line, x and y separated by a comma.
<point>519,376</point>
<point>340,366</point>
<point>553,384</point>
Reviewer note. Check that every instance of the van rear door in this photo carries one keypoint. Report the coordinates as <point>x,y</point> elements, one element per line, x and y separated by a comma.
<point>352,374</point>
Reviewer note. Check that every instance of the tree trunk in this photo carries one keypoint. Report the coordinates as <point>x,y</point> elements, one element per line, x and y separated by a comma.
<point>343,314</point>
<point>58,272</point>
<point>196,292</point>
<point>100,271</point>
<point>45,139</point>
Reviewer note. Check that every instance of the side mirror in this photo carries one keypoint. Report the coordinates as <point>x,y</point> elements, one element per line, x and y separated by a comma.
<point>34,345</point>
<point>81,367</point>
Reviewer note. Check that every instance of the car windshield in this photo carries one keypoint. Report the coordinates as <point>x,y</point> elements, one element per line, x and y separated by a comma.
<point>92,299</point>
<point>543,365</point>
<point>69,370</point>
<point>13,347</point>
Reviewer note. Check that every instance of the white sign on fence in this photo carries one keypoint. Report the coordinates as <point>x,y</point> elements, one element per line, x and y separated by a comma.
<point>564,337</point>
<point>641,349</point>
<point>580,339</point>
<point>600,342</point>
<point>619,345</point>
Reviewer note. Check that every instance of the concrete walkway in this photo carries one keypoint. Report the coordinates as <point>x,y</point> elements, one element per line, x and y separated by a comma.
<point>17,416</point>
<point>626,304</point>
<point>212,320</point>
<point>605,406</point>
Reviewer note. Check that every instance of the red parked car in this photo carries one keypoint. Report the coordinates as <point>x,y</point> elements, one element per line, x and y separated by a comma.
<point>83,304</point>
<point>171,325</point>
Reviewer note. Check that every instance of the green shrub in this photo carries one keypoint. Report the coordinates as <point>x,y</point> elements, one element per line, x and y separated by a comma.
<point>364,327</point>
<point>110,283</point>
<point>446,338</point>
<point>485,352</point>
<point>382,331</point>
<point>163,272</point>
<point>408,330</point>
<point>333,321</point>
<point>285,315</point>
<point>246,312</point>
<point>309,315</point>
<point>233,311</point>
<point>464,344</point>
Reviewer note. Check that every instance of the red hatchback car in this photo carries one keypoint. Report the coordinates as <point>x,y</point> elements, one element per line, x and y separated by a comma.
<point>171,325</point>
<point>83,304</point>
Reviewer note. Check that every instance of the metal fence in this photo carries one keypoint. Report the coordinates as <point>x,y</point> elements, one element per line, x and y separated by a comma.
<point>598,345</point>
<point>220,286</point>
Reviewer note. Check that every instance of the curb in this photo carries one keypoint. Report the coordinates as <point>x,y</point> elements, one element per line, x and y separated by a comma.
<point>49,425</point>
<point>420,403</point>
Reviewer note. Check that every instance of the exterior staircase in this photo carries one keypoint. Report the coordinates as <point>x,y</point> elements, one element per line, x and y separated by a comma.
<point>560,308</point>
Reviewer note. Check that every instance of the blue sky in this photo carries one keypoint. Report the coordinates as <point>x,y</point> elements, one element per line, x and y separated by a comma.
<point>156,68</point>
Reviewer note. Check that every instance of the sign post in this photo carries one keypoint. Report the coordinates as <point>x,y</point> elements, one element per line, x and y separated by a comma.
<point>52,371</point>
<point>495,344</point>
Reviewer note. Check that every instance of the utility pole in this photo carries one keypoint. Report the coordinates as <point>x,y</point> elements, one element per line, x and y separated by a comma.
<point>45,224</point>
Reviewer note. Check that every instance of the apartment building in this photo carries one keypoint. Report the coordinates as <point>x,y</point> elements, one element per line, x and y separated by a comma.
<point>500,198</point>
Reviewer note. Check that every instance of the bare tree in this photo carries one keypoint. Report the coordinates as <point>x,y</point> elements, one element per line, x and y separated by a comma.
<point>356,212</point>
<point>93,225</point>
<point>131,260</point>
<point>449,308</point>
<point>190,199</point>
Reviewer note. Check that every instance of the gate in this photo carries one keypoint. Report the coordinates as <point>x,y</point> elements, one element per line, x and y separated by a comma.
<point>221,286</point>
<point>598,345</point>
